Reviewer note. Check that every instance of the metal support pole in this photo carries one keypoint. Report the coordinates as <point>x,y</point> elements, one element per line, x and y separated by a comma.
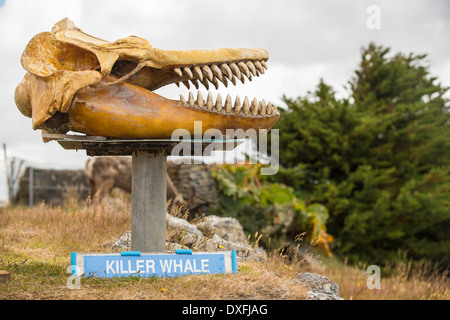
<point>148,213</point>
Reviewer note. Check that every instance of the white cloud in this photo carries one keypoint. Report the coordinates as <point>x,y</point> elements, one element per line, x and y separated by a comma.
<point>306,40</point>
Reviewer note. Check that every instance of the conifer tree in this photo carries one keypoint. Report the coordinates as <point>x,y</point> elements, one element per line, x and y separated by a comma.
<point>379,160</point>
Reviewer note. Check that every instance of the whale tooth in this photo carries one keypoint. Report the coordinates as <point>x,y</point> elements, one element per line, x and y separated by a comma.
<point>235,69</point>
<point>205,83</point>
<point>246,106</point>
<point>195,83</point>
<point>208,73</point>
<point>219,103</point>
<point>186,83</point>
<point>259,67</point>
<point>209,101</point>
<point>254,107</point>
<point>188,72</point>
<point>233,80</point>
<point>251,67</point>
<point>225,82</point>
<point>228,104</point>
<point>217,72</point>
<point>262,107</point>
<point>226,70</point>
<point>200,101</point>
<point>215,83</point>
<point>274,110</point>
<point>182,99</point>
<point>191,99</point>
<point>237,105</point>
<point>269,108</point>
<point>178,84</point>
<point>178,71</point>
<point>198,72</point>
<point>263,63</point>
<point>243,67</point>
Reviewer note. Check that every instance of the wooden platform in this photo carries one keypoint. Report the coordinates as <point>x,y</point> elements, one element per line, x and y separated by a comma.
<point>103,146</point>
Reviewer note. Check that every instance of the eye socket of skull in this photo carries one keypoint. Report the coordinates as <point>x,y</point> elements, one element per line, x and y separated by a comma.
<point>44,56</point>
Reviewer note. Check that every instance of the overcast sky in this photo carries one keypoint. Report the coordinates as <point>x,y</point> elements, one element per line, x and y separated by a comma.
<point>306,41</point>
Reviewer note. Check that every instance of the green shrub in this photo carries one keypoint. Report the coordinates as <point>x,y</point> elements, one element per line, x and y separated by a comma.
<point>379,160</point>
<point>267,208</point>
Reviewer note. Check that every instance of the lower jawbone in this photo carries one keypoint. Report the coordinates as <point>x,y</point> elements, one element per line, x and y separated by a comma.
<point>144,114</point>
<point>90,92</point>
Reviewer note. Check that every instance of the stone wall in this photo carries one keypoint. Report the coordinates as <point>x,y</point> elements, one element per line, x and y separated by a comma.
<point>196,184</point>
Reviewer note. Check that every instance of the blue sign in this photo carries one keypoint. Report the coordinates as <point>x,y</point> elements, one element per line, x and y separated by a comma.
<point>133,263</point>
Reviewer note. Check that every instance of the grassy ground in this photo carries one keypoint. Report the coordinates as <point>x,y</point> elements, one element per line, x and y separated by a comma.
<point>35,246</point>
<point>399,281</point>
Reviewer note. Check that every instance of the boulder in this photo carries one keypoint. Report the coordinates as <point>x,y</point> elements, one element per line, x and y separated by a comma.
<point>223,234</point>
<point>225,227</point>
<point>321,287</point>
<point>182,234</point>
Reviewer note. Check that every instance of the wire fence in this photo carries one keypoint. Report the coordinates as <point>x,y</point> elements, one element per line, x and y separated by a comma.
<point>51,186</point>
<point>30,183</point>
<point>27,183</point>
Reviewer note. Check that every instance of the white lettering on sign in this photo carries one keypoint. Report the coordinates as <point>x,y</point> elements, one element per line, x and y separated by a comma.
<point>148,266</point>
<point>121,267</point>
<point>129,267</point>
<point>188,266</point>
<point>205,265</point>
<point>165,266</point>
<point>178,265</point>
<point>140,265</point>
<point>174,265</point>
<point>117,266</point>
<point>109,266</point>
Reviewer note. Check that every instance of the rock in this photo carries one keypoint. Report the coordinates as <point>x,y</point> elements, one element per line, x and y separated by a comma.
<point>181,234</point>
<point>123,243</point>
<point>322,296</point>
<point>174,223</point>
<point>321,287</point>
<point>225,227</point>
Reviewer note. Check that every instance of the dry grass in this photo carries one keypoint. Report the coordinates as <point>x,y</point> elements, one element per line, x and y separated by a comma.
<point>35,246</point>
<point>401,280</point>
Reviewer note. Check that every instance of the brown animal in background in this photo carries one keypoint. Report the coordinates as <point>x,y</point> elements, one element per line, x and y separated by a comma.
<point>106,173</point>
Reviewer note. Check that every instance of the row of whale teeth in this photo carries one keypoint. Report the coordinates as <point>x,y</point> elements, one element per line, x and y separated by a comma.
<point>220,72</point>
<point>247,107</point>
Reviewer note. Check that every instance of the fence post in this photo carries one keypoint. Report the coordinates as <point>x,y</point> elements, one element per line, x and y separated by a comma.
<point>8,176</point>
<point>30,188</point>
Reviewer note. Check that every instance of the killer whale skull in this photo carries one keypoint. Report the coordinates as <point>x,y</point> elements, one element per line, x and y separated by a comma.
<point>77,82</point>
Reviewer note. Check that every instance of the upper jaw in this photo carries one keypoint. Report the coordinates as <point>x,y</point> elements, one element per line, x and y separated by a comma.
<point>208,68</point>
<point>195,67</point>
